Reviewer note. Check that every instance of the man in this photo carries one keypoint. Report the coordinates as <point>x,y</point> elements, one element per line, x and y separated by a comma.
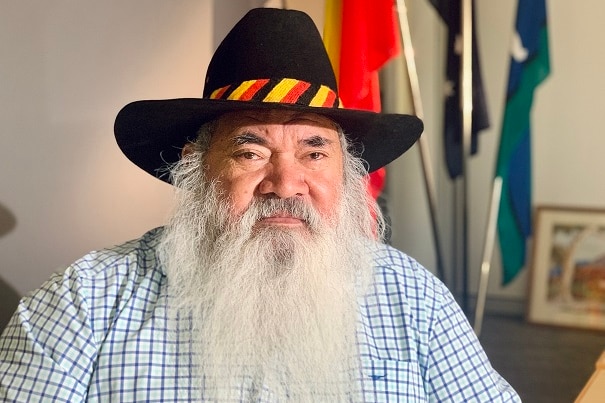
<point>269,283</point>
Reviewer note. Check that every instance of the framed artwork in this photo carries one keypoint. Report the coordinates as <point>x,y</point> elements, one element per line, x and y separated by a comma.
<point>567,272</point>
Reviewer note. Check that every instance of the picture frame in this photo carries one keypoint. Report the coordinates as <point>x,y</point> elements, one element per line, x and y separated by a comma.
<point>567,270</point>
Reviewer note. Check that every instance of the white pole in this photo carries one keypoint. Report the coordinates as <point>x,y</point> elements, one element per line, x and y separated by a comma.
<point>466,79</point>
<point>488,248</point>
<point>425,155</point>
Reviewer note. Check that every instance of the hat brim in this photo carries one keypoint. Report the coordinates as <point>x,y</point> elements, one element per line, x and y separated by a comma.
<point>152,133</point>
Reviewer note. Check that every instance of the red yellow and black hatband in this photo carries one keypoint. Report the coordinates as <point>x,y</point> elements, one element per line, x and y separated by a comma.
<point>282,90</point>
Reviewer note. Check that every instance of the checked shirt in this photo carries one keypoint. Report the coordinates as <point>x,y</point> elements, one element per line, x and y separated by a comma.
<point>98,332</point>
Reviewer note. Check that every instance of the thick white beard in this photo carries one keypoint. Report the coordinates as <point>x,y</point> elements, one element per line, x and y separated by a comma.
<point>273,310</point>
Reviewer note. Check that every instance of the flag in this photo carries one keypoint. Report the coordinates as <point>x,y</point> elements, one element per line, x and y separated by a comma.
<point>360,37</point>
<point>529,66</point>
<point>450,12</point>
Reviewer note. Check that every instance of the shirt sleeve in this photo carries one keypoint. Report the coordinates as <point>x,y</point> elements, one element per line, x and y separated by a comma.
<point>458,368</point>
<point>47,351</point>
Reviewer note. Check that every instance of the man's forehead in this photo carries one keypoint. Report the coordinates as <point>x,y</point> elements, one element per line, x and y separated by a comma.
<point>236,128</point>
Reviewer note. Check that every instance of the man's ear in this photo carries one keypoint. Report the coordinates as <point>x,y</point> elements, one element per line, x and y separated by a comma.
<point>187,149</point>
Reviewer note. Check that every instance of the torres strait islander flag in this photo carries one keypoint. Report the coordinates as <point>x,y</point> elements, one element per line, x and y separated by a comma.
<point>360,37</point>
<point>529,66</point>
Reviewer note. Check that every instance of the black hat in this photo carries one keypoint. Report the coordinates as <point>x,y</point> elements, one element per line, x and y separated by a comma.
<point>271,59</point>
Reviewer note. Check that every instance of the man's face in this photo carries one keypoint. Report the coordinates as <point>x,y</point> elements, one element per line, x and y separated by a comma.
<point>277,154</point>
<point>271,284</point>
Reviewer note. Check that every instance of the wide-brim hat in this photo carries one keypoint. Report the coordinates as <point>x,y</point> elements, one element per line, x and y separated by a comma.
<point>271,59</point>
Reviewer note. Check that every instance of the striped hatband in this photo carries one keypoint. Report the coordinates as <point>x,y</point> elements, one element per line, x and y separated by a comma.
<point>281,90</point>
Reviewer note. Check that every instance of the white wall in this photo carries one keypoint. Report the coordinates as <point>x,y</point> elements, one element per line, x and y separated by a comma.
<point>68,67</point>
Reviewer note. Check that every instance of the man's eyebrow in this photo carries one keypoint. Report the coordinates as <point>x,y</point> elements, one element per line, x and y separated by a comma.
<point>316,141</point>
<point>248,138</point>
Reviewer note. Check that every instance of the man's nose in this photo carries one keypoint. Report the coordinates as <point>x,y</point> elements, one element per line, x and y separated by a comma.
<point>285,177</point>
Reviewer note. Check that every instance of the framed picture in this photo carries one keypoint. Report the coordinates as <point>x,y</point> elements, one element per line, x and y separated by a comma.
<point>567,274</point>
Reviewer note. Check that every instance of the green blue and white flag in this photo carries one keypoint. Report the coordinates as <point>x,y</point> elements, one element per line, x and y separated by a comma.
<point>529,66</point>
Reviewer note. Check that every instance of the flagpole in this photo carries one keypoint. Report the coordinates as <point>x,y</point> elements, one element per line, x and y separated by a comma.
<point>466,79</point>
<point>488,248</point>
<point>425,156</point>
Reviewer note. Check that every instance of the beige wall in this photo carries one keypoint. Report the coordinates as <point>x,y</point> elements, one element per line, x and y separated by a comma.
<point>68,67</point>
<point>66,70</point>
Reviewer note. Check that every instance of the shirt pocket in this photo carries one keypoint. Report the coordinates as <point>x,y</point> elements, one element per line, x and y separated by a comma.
<point>392,381</point>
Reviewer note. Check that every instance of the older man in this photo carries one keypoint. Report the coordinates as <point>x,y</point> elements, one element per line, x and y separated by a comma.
<point>269,283</point>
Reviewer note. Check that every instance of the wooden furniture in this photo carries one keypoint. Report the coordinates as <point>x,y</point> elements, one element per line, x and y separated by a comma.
<point>594,390</point>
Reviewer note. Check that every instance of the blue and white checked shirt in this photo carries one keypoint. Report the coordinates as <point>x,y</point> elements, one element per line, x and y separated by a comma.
<point>98,333</point>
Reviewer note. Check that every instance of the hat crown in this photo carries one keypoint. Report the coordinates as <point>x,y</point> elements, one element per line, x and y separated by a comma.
<point>271,44</point>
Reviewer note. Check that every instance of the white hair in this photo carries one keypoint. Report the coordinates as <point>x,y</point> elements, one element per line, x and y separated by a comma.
<point>272,310</point>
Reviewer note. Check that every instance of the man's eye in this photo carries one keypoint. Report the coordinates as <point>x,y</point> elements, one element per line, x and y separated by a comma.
<point>248,155</point>
<point>316,155</point>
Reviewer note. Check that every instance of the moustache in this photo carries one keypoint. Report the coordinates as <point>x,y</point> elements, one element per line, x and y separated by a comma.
<point>261,208</point>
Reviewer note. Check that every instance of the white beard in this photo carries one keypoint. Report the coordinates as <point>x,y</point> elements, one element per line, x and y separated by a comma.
<point>273,310</point>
